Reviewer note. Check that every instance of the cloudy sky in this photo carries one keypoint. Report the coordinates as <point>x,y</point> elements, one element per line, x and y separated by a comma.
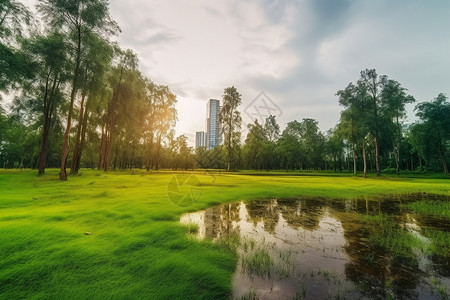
<point>299,53</point>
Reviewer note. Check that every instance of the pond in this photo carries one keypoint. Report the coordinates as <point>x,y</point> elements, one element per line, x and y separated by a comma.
<point>313,248</point>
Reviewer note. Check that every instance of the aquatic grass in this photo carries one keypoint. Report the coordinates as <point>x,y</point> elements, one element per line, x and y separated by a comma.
<point>440,242</point>
<point>258,263</point>
<point>439,209</point>
<point>386,233</point>
<point>250,295</point>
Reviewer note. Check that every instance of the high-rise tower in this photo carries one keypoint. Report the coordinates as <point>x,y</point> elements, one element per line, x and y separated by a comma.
<point>212,124</point>
<point>200,139</point>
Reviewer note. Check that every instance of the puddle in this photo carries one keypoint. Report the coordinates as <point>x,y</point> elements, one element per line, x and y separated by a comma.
<point>313,248</point>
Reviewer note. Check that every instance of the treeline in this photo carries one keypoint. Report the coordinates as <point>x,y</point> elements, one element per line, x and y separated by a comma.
<point>81,101</point>
<point>370,136</point>
<point>76,87</point>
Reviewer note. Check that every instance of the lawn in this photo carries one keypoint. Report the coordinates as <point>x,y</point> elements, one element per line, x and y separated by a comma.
<point>116,234</point>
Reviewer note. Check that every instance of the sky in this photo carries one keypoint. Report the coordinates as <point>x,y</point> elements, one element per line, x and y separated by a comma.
<point>289,56</point>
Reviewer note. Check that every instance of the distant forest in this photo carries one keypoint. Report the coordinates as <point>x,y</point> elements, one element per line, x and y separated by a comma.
<point>80,101</point>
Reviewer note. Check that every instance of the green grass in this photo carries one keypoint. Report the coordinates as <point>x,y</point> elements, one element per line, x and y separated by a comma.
<point>387,234</point>
<point>438,209</point>
<point>137,248</point>
<point>258,263</point>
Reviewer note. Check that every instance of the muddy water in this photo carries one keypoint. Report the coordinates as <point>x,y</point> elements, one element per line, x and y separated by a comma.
<point>310,248</point>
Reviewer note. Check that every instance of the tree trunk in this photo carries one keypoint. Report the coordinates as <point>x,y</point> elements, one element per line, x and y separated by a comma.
<point>149,153</point>
<point>73,168</point>
<point>354,160</point>
<point>63,172</point>
<point>83,139</point>
<point>377,161</point>
<point>46,129</point>
<point>158,146</point>
<point>444,161</point>
<point>108,147</point>
<point>364,158</point>
<point>44,147</point>
<point>397,150</point>
<point>102,150</point>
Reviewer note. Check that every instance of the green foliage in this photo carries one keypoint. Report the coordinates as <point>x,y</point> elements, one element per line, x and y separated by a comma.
<point>430,137</point>
<point>230,120</point>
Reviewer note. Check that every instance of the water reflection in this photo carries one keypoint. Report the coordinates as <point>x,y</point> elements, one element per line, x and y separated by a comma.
<point>317,248</point>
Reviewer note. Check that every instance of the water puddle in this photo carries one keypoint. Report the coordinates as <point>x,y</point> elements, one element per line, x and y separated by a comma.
<point>312,248</point>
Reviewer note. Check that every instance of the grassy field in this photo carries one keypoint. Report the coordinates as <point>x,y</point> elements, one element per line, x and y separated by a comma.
<point>116,235</point>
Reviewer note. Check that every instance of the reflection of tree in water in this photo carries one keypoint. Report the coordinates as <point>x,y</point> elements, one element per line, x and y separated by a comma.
<point>305,213</point>
<point>265,211</point>
<point>373,268</point>
<point>219,219</point>
<point>430,227</point>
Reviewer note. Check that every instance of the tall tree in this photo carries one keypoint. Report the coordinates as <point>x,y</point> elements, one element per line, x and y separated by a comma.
<point>128,87</point>
<point>231,121</point>
<point>76,19</point>
<point>94,68</point>
<point>394,99</point>
<point>49,54</point>
<point>160,119</point>
<point>355,118</point>
<point>374,84</point>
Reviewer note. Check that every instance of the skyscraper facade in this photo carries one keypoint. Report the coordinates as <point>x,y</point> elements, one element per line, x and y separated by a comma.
<point>200,139</point>
<point>212,124</point>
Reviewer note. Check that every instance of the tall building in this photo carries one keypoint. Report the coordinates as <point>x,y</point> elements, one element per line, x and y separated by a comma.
<point>200,139</point>
<point>212,124</point>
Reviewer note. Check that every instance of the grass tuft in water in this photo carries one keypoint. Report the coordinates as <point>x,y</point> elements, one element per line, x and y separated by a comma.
<point>250,295</point>
<point>440,209</point>
<point>258,263</point>
<point>388,235</point>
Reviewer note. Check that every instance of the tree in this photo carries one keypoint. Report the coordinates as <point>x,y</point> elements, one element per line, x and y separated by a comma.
<point>254,146</point>
<point>14,66</point>
<point>288,146</point>
<point>182,153</point>
<point>435,116</point>
<point>230,119</point>
<point>93,78</point>
<point>313,143</point>
<point>122,109</point>
<point>77,19</point>
<point>272,134</point>
<point>354,119</point>
<point>335,146</point>
<point>49,54</point>
<point>14,16</point>
<point>393,101</point>
<point>159,120</point>
<point>272,129</point>
<point>374,85</point>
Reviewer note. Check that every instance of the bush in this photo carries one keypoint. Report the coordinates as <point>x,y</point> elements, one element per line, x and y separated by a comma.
<point>389,171</point>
